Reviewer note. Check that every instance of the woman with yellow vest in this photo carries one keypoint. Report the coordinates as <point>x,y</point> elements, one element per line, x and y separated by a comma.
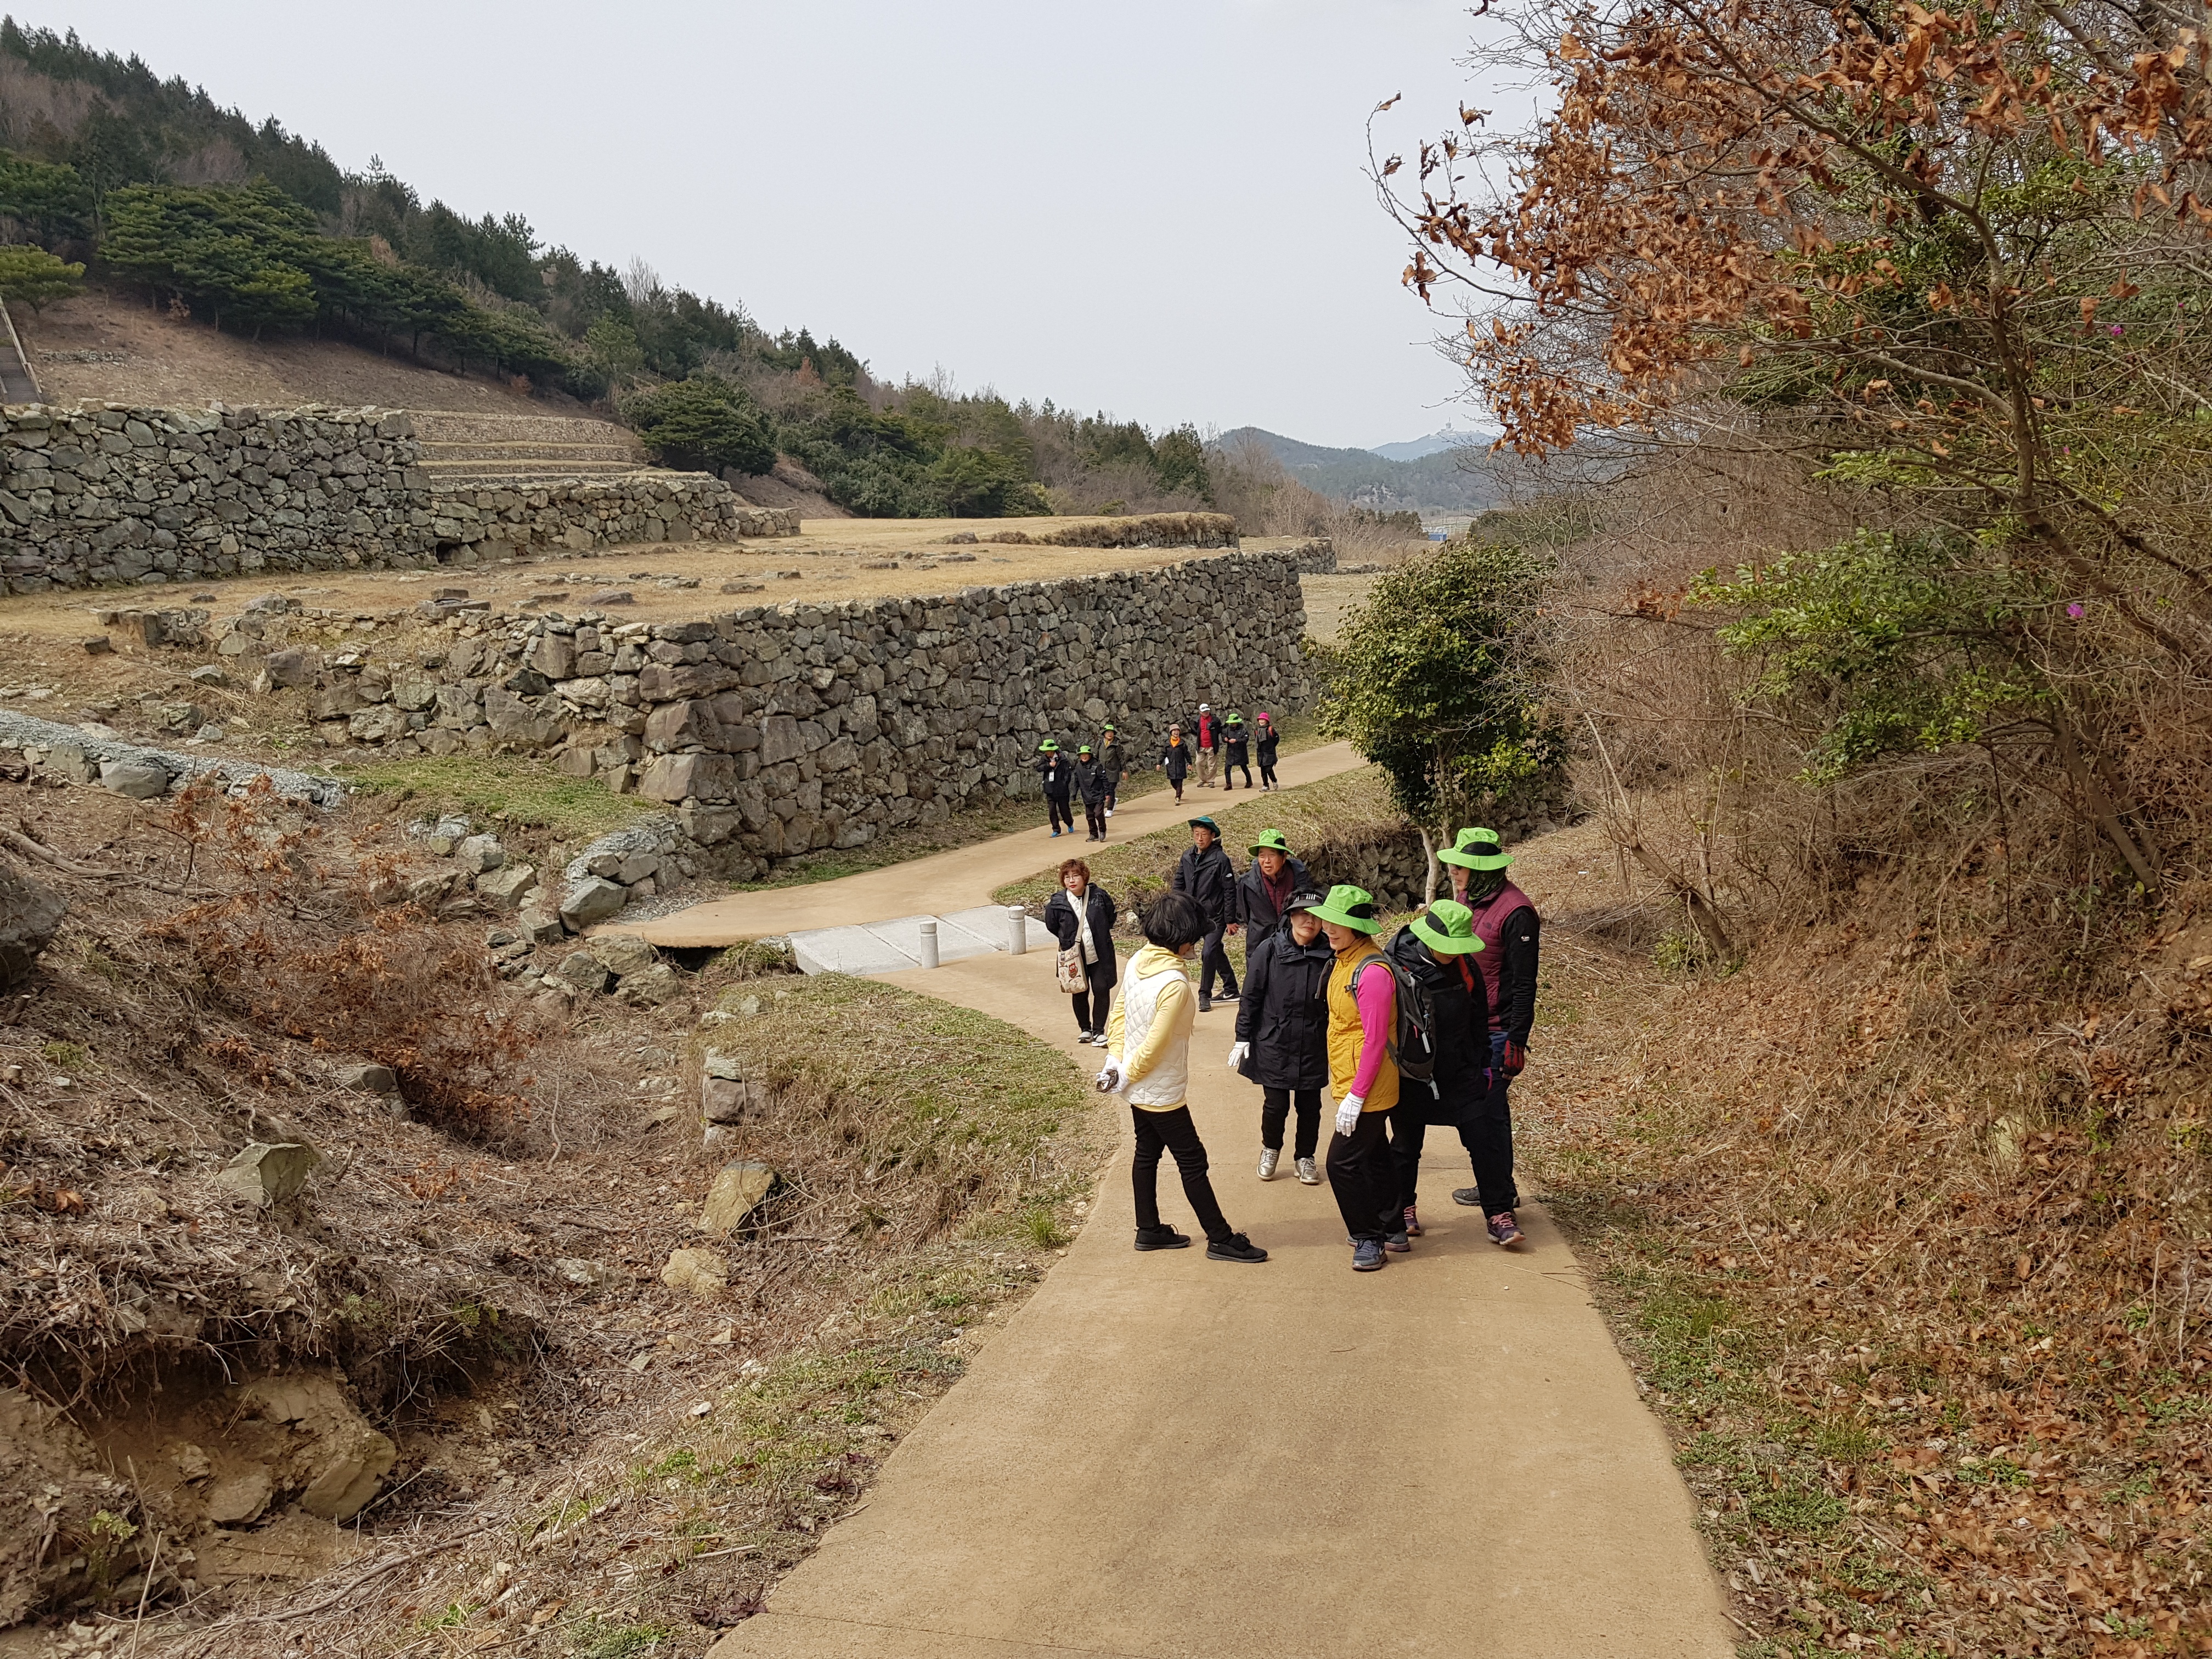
<point>1363,1021</point>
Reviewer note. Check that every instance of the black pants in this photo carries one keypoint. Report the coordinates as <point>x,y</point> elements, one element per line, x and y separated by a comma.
<point>1360,1176</point>
<point>1487,1135</point>
<point>1230,770</point>
<point>1173,1131</point>
<point>1213,960</point>
<point>1063,814</point>
<point>1094,814</point>
<point>1277,1109</point>
<point>1090,1006</point>
<point>1266,771</point>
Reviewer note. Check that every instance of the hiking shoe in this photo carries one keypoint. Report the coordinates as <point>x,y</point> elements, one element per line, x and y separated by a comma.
<point>1234,1247</point>
<point>1470,1196</point>
<point>1204,1004</point>
<point>1367,1256</point>
<point>1162,1239</point>
<point>1269,1157</point>
<point>1396,1244</point>
<point>1504,1230</point>
<point>1412,1223</point>
<point>1229,996</point>
<point>1308,1172</point>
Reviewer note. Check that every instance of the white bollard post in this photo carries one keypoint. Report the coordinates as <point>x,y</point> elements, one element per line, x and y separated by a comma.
<point>1018,926</point>
<point>929,943</point>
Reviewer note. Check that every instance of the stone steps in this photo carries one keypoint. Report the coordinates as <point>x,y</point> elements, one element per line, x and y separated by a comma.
<point>462,450</point>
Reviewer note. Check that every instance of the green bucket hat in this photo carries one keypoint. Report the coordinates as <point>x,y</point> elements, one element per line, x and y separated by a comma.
<point>1448,926</point>
<point>1083,748</point>
<point>1235,719</point>
<point>1049,746</point>
<point>1271,841</point>
<point>1475,849</point>
<point>1350,907</point>
<point>1206,823</point>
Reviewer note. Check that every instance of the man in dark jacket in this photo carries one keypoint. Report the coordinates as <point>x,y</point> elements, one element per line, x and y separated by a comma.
<point>1432,953</point>
<point>1091,784</point>
<point>1059,776</point>
<point>1112,762</point>
<point>1207,876</point>
<point>1263,896</point>
<point>1282,1031</point>
<point>1505,921</point>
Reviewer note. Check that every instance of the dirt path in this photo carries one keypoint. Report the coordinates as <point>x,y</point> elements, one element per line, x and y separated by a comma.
<point>1164,1455</point>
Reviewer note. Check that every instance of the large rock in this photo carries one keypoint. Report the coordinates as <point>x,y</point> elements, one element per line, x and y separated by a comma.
<point>140,777</point>
<point>29,915</point>
<point>651,988</point>
<point>740,1187</point>
<point>591,900</point>
<point>504,888</point>
<point>478,853</point>
<point>539,925</point>
<point>622,954</point>
<point>267,1173</point>
<point>702,1272</point>
<point>580,969</point>
<point>330,1447</point>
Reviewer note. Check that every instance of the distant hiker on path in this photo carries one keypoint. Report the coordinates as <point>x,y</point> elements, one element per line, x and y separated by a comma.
<point>1505,920</point>
<point>1236,751</point>
<point>1081,917</point>
<point>1175,759</point>
<point>1209,879</point>
<point>1282,1031</point>
<point>1266,740</point>
<point>1111,762</point>
<point>1263,896</point>
<point>1432,952</point>
<point>1059,774</point>
<point>1362,1018</point>
<point>1148,1065</point>
<point>1091,784</point>
<point>1209,745</point>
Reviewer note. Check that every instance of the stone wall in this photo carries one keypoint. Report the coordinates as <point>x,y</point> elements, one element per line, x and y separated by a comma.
<point>106,494</point>
<point>775,731</point>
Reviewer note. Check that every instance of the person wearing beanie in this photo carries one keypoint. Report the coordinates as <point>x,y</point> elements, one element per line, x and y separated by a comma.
<point>1059,774</point>
<point>1266,741</point>
<point>1148,1065</point>
<point>1363,1022</point>
<point>1505,920</point>
<point>1236,750</point>
<point>1282,1032</point>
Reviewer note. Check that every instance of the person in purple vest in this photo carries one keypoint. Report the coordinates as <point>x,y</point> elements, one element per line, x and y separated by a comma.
<point>1505,921</point>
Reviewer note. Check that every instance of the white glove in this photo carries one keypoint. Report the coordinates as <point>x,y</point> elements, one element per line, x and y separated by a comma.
<point>1109,1078</point>
<point>1237,1054</point>
<point>1347,1113</point>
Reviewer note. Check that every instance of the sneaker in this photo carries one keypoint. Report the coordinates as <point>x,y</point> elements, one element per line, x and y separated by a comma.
<point>1504,1230</point>
<point>1204,1004</point>
<point>1162,1239</point>
<point>1367,1256</point>
<point>1229,996</point>
<point>1412,1223</point>
<point>1269,1157</point>
<point>1470,1196</point>
<point>1055,835</point>
<point>1308,1172</point>
<point>1234,1247</point>
<point>1109,811</point>
<point>1396,1244</point>
<point>1099,1037</point>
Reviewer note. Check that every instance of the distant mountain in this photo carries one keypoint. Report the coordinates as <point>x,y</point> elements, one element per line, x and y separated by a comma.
<point>1435,483</point>
<point>1421,448</point>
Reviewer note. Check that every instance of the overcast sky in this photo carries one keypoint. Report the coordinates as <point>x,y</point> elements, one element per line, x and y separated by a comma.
<point>1153,207</point>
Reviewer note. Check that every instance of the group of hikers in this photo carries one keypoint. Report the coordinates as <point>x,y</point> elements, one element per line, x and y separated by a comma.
<point>1211,742</point>
<point>1426,1031</point>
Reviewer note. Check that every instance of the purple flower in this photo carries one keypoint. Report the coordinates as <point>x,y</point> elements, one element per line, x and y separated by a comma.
<point>2118,331</point>
<point>2075,610</point>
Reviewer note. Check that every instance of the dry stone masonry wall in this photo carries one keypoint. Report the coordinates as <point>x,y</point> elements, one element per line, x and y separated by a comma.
<point>109,495</point>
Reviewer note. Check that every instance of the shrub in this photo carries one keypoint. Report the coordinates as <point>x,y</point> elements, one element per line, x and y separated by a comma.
<point>36,277</point>
<point>704,424</point>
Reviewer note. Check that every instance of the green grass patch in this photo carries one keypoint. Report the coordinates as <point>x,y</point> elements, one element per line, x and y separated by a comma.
<point>1134,871</point>
<point>502,786</point>
<point>598,1640</point>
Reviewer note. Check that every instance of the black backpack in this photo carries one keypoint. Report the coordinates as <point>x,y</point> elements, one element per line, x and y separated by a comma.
<point>1413,1048</point>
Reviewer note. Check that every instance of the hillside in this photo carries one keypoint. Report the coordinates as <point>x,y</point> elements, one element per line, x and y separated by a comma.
<point>1439,482</point>
<point>1418,449</point>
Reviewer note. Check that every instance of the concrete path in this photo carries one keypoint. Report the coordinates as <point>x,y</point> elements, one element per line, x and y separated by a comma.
<point>961,877</point>
<point>1165,1457</point>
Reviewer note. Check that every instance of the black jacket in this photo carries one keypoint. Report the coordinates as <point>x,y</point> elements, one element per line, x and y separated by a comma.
<point>1210,878</point>
<point>1461,1010</point>
<point>1091,782</point>
<point>1234,742</point>
<point>1266,741</point>
<point>1058,773</point>
<point>1176,758</point>
<point>1059,917</point>
<point>1519,941</point>
<point>1255,909</point>
<point>1285,1012</point>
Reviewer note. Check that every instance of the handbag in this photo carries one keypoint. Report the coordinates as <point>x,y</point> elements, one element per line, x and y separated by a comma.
<point>1067,969</point>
